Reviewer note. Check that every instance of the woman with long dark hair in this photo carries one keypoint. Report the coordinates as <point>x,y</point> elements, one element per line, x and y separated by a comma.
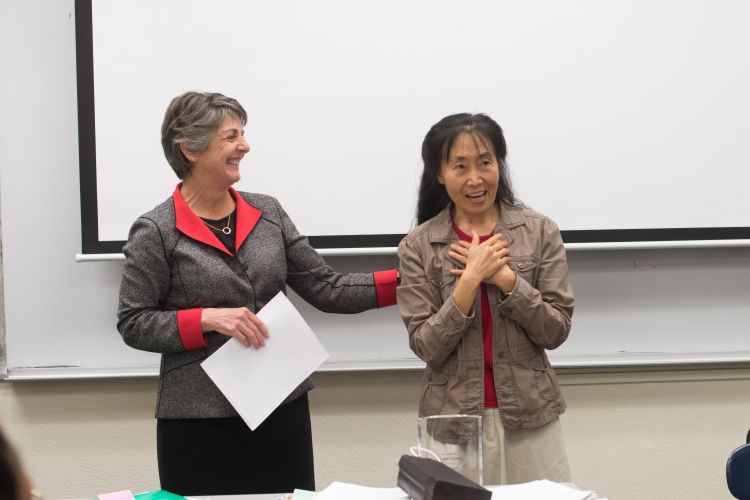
<point>484,292</point>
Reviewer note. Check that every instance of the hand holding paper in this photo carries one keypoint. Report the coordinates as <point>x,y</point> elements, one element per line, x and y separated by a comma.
<point>237,322</point>
<point>256,381</point>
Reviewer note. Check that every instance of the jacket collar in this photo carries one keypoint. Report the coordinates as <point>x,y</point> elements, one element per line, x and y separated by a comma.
<point>192,226</point>
<point>441,229</point>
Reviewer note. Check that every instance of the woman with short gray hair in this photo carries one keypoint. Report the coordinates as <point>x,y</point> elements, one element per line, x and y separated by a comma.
<point>198,267</point>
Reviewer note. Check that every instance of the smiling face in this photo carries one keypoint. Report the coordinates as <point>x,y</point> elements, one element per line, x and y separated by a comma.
<point>471,175</point>
<point>219,164</point>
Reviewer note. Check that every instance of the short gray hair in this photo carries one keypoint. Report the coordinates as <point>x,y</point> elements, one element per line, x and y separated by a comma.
<point>192,119</point>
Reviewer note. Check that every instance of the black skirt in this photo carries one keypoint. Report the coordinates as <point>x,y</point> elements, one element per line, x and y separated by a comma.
<point>222,456</point>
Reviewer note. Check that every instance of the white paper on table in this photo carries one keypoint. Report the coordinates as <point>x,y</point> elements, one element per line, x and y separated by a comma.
<point>539,489</point>
<point>256,381</point>
<point>347,491</point>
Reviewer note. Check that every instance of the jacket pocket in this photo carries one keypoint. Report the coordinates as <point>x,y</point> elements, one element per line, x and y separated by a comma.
<point>176,361</point>
<point>444,283</point>
<point>546,383</point>
<point>525,266</point>
<point>434,392</point>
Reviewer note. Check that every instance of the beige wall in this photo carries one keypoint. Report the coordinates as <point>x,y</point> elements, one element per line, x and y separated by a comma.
<point>630,435</point>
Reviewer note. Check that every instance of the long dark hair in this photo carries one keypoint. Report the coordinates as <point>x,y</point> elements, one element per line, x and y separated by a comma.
<point>435,149</point>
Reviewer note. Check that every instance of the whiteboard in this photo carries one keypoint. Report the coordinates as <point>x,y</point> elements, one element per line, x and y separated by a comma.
<point>634,307</point>
<point>625,120</point>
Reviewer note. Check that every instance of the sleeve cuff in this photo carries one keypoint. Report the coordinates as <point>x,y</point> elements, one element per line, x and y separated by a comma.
<point>456,313</point>
<point>386,283</point>
<point>189,326</point>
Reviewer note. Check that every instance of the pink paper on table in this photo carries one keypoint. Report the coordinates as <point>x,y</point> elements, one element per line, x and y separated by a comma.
<point>117,495</point>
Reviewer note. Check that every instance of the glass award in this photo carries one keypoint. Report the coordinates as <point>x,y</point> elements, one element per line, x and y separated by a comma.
<point>455,440</point>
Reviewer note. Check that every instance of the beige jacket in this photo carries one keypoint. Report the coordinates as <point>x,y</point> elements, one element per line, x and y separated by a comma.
<point>536,316</point>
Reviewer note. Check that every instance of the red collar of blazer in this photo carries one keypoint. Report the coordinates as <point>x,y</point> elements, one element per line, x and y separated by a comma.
<point>192,226</point>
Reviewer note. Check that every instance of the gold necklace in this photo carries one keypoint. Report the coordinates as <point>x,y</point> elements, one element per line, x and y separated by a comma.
<point>226,229</point>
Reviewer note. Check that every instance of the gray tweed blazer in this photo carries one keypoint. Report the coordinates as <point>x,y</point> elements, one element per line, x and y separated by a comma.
<point>171,266</point>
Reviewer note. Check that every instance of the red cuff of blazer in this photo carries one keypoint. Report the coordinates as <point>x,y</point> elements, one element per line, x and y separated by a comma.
<point>386,283</point>
<point>189,325</point>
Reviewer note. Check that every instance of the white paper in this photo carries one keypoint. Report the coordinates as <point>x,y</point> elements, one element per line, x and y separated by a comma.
<point>256,381</point>
<point>346,491</point>
<point>535,490</point>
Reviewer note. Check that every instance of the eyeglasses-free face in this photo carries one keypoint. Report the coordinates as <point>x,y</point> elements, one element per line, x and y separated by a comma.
<point>471,175</point>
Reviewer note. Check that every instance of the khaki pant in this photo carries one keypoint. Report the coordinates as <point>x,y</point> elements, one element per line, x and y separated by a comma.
<point>520,456</point>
